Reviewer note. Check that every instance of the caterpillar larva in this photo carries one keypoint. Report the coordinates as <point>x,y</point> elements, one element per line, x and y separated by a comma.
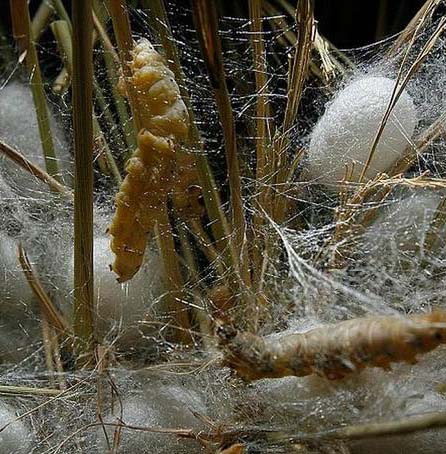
<point>333,351</point>
<point>151,169</point>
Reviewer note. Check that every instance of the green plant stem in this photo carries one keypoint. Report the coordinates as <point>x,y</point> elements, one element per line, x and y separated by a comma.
<point>23,35</point>
<point>62,32</point>
<point>41,19</point>
<point>83,194</point>
<point>62,12</point>
<point>61,82</point>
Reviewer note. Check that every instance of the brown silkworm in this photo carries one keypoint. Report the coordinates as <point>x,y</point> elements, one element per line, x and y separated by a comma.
<point>333,351</point>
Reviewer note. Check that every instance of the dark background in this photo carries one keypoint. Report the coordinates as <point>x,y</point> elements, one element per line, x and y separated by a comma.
<point>352,23</point>
<point>347,23</point>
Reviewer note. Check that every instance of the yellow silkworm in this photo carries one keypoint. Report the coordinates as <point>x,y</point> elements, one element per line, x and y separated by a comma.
<point>151,169</point>
<point>160,107</point>
<point>333,351</point>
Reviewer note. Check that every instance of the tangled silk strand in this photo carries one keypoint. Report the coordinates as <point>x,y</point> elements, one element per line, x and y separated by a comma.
<point>151,169</point>
<point>334,351</point>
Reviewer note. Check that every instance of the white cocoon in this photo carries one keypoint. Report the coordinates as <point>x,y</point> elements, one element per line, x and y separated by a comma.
<point>345,133</point>
<point>19,128</point>
<point>432,441</point>
<point>121,307</point>
<point>20,329</point>
<point>16,438</point>
<point>15,292</point>
<point>12,214</point>
<point>157,406</point>
<point>404,224</point>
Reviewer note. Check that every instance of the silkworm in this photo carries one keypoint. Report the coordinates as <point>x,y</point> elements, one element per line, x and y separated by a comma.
<point>333,351</point>
<point>151,169</point>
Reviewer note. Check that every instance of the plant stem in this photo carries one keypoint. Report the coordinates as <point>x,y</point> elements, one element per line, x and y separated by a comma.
<point>52,315</point>
<point>400,84</point>
<point>218,221</point>
<point>263,142</point>
<point>83,194</point>
<point>22,33</point>
<point>34,170</point>
<point>112,62</point>
<point>41,19</point>
<point>297,75</point>
<point>412,27</point>
<point>201,314</point>
<point>61,82</point>
<point>173,274</point>
<point>262,113</point>
<point>412,153</point>
<point>109,123</point>
<point>61,11</point>
<point>11,390</point>
<point>121,27</point>
<point>63,34</point>
<point>206,22</point>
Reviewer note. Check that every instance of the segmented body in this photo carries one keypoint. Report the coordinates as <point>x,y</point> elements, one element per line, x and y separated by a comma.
<point>151,170</point>
<point>334,351</point>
